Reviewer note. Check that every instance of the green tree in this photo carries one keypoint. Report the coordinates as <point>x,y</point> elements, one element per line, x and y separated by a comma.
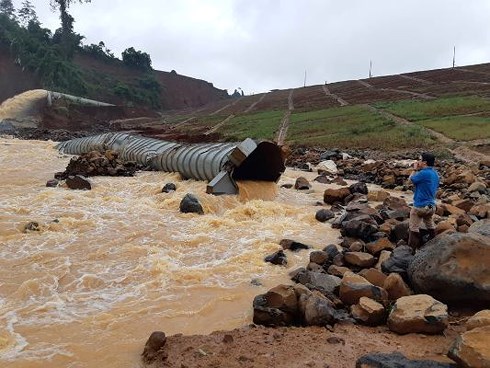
<point>27,14</point>
<point>136,59</point>
<point>67,39</point>
<point>7,8</point>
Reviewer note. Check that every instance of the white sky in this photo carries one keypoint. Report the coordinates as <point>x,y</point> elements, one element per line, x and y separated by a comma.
<point>259,45</point>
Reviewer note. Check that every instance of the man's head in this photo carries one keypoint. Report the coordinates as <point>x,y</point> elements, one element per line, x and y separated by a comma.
<point>428,158</point>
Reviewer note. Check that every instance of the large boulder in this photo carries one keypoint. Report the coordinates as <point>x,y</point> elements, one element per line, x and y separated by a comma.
<point>453,268</point>
<point>472,348</point>
<point>418,314</point>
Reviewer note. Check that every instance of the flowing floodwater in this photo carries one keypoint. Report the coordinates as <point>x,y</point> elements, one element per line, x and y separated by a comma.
<point>113,264</point>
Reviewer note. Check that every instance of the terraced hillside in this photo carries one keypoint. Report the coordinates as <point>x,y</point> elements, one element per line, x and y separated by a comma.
<point>445,109</point>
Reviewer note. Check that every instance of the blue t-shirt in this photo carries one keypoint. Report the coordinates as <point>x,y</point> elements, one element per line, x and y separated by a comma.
<point>426,182</point>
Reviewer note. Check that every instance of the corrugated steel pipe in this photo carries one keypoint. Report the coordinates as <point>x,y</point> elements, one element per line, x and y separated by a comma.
<point>219,163</point>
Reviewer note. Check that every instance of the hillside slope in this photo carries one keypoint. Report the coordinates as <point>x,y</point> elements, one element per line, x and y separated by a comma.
<point>104,77</point>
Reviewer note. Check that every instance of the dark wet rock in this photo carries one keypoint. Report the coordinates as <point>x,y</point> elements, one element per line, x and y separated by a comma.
<point>53,183</point>
<point>400,232</point>
<point>396,360</point>
<point>332,251</point>
<point>294,246</point>
<point>316,309</point>
<point>399,260</point>
<point>32,226</point>
<point>78,182</point>
<point>154,347</point>
<point>302,184</point>
<point>169,187</point>
<point>326,284</point>
<point>190,204</point>
<point>277,307</point>
<point>323,179</point>
<point>453,268</point>
<point>277,258</point>
<point>359,188</point>
<point>324,215</point>
<point>319,257</point>
<point>359,229</point>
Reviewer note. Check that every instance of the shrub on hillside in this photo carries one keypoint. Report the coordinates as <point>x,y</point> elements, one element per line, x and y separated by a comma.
<point>136,59</point>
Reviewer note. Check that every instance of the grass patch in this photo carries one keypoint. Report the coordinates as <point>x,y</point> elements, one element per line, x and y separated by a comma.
<point>354,127</point>
<point>262,125</point>
<point>423,110</point>
<point>461,128</point>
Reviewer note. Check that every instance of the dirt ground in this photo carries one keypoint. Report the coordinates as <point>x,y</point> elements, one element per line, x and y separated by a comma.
<point>317,347</point>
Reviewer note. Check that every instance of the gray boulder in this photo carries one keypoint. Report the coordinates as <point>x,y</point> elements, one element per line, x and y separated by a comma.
<point>453,268</point>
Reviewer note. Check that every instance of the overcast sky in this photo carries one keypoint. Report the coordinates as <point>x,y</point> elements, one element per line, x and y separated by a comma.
<point>259,45</point>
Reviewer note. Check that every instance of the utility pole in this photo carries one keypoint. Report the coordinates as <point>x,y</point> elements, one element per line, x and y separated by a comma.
<point>370,68</point>
<point>304,82</point>
<point>454,57</point>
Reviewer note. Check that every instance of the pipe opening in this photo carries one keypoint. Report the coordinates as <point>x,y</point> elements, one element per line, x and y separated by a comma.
<point>265,163</point>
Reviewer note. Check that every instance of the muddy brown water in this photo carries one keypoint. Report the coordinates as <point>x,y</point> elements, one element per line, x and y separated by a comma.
<point>113,264</point>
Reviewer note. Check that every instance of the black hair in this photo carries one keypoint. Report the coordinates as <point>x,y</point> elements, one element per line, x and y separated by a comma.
<point>428,158</point>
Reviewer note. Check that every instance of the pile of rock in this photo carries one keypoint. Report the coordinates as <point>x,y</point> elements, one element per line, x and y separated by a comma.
<point>462,186</point>
<point>93,163</point>
<point>373,277</point>
<point>97,163</point>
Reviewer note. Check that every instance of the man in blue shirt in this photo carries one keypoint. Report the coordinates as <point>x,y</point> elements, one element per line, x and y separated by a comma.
<point>426,182</point>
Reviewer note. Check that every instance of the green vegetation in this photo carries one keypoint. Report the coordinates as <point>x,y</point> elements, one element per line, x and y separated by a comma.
<point>256,125</point>
<point>461,128</point>
<point>50,57</point>
<point>422,110</point>
<point>136,59</point>
<point>353,127</point>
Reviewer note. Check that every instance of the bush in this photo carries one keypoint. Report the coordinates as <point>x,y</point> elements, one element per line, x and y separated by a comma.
<point>136,59</point>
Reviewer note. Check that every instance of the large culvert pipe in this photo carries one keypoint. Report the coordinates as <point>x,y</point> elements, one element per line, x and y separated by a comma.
<point>219,163</point>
